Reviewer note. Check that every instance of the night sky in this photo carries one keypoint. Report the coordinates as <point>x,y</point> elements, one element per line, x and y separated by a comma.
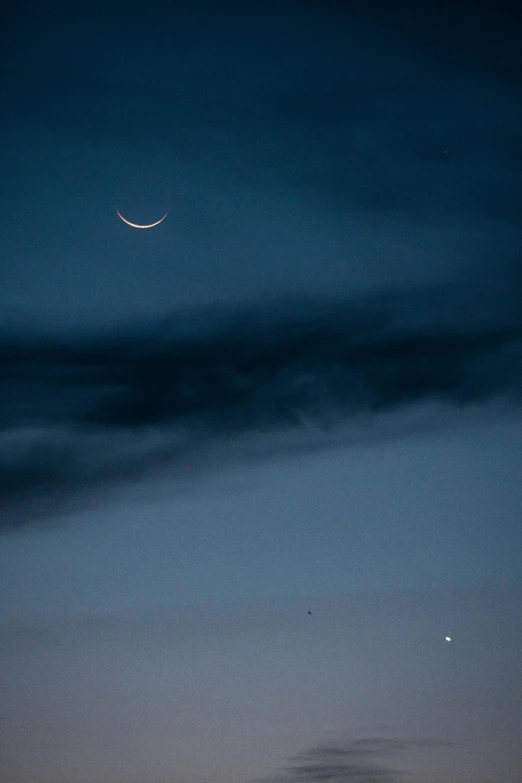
<point>259,461</point>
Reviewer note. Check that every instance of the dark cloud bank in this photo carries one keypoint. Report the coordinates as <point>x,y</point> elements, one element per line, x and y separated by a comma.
<point>86,413</point>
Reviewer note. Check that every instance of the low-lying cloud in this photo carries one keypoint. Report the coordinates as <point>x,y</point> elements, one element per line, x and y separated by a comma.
<point>364,760</point>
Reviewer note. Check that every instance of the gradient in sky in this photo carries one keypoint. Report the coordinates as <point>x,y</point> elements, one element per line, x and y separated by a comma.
<point>258,462</point>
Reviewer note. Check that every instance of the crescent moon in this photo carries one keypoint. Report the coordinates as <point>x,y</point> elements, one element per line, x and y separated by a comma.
<point>137,225</point>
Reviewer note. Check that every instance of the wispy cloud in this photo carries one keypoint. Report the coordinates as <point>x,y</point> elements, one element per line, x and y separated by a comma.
<point>364,760</point>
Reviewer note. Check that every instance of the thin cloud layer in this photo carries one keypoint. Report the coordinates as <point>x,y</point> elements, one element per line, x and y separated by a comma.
<point>99,412</point>
<point>366,760</point>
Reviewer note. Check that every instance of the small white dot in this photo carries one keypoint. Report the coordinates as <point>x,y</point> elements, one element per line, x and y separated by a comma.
<point>448,638</point>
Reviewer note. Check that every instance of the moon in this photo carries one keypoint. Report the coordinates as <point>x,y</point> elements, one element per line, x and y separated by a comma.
<point>138,225</point>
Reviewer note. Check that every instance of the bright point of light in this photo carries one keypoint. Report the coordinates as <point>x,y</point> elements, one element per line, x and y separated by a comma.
<point>448,638</point>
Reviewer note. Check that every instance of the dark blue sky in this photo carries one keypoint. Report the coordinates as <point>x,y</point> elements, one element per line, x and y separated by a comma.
<point>301,147</point>
<point>299,393</point>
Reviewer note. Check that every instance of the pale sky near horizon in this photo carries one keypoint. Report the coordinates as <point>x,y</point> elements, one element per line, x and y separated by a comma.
<point>171,638</point>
